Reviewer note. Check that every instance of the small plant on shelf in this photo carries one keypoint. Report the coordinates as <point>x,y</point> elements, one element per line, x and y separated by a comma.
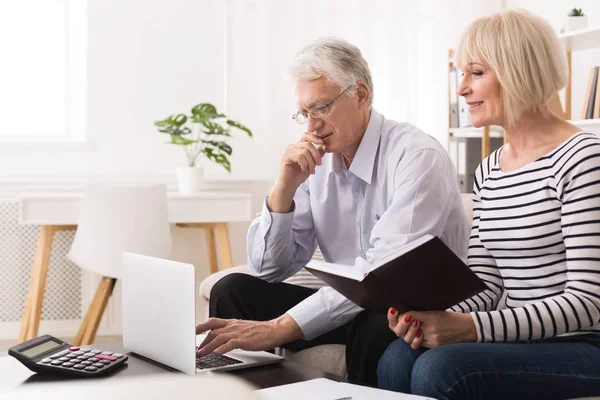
<point>576,12</point>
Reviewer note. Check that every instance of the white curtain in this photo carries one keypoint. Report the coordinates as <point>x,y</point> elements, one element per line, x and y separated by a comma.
<point>404,42</point>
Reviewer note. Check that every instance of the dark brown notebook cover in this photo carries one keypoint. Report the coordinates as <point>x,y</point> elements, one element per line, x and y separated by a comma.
<point>427,278</point>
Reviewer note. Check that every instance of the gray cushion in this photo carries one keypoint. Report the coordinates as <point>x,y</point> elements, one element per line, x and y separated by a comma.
<point>327,357</point>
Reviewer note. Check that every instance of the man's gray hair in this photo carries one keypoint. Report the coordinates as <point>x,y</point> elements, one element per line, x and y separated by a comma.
<point>335,59</point>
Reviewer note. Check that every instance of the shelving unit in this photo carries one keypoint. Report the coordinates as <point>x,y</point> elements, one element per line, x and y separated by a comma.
<point>583,39</point>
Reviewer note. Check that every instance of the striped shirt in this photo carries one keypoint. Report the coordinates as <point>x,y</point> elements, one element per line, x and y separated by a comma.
<point>536,236</point>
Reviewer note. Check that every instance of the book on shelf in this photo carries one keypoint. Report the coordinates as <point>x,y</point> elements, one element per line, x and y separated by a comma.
<point>590,95</point>
<point>424,275</point>
<point>596,113</point>
<point>453,97</point>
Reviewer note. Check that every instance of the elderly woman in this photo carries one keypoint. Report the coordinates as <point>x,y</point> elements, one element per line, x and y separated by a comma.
<point>535,235</point>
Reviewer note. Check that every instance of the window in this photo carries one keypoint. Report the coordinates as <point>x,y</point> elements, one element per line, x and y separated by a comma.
<point>42,73</point>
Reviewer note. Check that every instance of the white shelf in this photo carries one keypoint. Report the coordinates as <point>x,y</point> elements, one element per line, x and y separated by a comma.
<point>588,124</point>
<point>472,132</point>
<point>582,39</point>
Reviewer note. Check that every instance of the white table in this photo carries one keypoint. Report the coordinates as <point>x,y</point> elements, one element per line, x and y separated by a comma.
<point>59,211</point>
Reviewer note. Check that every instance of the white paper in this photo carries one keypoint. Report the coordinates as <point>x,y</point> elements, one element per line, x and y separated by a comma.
<point>325,389</point>
<point>347,271</point>
<point>350,271</point>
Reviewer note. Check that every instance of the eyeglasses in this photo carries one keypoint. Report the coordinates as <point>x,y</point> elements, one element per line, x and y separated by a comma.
<point>301,117</point>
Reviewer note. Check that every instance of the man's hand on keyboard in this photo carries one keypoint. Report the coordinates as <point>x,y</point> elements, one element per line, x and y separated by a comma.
<point>228,334</point>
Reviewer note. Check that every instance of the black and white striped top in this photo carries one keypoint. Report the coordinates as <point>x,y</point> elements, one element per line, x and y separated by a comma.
<point>536,234</point>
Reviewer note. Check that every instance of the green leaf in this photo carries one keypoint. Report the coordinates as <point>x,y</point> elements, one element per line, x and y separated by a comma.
<point>239,126</point>
<point>214,128</point>
<point>221,146</point>
<point>220,158</point>
<point>204,112</point>
<point>173,120</point>
<point>181,141</point>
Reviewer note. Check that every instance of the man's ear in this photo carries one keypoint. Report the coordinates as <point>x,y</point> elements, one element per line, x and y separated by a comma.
<point>363,93</point>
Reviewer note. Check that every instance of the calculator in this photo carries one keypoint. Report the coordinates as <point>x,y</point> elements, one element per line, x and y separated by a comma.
<point>47,354</point>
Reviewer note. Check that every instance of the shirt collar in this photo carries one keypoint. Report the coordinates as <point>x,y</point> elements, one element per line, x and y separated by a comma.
<point>364,160</point>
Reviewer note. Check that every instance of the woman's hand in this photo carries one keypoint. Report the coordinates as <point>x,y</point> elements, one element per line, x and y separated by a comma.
<point>432,328</point>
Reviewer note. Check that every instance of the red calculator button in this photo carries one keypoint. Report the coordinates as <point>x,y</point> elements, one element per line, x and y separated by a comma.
<point>74,348</point>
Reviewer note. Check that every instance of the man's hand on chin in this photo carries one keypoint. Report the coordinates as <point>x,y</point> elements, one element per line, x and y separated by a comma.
<point>228,334</point>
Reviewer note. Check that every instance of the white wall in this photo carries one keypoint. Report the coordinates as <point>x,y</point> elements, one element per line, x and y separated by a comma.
<point>145,60</point>
<point>151,58</point>
<point>148,59</point>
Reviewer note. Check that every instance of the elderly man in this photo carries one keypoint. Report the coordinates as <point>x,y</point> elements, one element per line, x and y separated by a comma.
<point>356,184</point>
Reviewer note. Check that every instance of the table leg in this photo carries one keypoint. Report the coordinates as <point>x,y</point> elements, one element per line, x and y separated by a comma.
<point>224,245</point>
<point>211,245</point>
<point>89,326</point>
<point>224,248</point>
<point>37,284</point>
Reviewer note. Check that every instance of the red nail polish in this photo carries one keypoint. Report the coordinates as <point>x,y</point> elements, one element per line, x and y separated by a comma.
<point>416,323</point>
<point>407,318</point>
<point>419,333</point>
<point>392,311</point>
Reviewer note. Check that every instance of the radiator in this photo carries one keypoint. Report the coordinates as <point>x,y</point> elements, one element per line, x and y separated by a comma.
<point>63,296</point>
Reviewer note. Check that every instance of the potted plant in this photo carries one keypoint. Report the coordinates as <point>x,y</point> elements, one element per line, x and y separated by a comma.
<point>577,20</point>
<point>202,133</point>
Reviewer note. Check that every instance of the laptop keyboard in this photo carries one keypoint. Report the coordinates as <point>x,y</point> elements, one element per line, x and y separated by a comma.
<point>215,360</point>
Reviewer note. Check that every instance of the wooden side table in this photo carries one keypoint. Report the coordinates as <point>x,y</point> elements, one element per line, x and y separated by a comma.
<point>57,212</point>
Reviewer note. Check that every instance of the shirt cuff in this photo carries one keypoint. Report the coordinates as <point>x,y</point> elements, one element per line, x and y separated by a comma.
<point>311,317</point>
<point>477,320</point>
<point>274,224</point>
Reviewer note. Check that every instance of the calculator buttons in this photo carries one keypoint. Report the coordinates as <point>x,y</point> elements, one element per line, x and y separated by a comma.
<point>74,348</point>
<point>57,355</point>
<point>56,362</point>
<point>85,349</point>
<point>86,363</point>
<point>91,369</point>
<point>104,362</point>
<point>106,353</point>
<point>63,359</point>
<point>46,360</point>
<point>88,354</point>
<point>79,352</point>
<point>79,366</point>
<point>96,351</point>
<point>118,355</point>
<point>71,355</point>
<point>109,358</point>
<point>98,365</point>
<point>68,364</point>
<point>93,359</point>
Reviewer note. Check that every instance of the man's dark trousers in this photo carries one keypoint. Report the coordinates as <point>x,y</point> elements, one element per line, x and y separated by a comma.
<point>246,297</point>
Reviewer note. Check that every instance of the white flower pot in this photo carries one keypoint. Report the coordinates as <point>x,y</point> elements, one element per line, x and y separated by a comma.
<point>189,179</point>
<point>576,23</point>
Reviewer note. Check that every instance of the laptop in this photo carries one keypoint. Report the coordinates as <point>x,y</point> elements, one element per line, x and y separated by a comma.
<point>159,318</point>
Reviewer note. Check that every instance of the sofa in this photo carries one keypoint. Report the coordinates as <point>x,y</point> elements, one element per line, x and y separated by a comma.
<point>329,358</point>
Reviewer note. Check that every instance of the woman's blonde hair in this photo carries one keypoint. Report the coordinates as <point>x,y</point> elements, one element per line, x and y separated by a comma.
<point>524,52</point>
